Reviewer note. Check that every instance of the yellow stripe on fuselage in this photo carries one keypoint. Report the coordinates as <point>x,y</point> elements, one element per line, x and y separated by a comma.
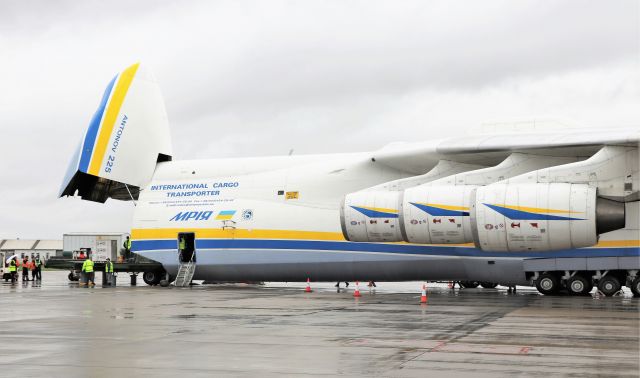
<point>539,210</point>
<point>113,109</point>
<point>218,233</point>
<point>618,243</point>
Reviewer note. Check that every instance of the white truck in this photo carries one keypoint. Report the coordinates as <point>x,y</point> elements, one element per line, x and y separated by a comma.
<point>102,245</point>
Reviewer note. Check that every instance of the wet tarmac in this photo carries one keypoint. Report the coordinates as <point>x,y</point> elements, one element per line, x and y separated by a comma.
<point>56,329</point>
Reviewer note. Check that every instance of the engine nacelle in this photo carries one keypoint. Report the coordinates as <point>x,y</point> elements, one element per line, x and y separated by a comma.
<point>496,217</point>
<point>541,216</point>
<point>371,216</point>
<point>437,214</point>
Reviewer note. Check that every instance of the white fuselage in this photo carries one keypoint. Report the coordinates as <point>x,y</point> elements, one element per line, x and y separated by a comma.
<point>278,218</point>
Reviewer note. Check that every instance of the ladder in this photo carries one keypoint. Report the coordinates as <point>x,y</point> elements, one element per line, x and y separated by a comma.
<point>185,273</point>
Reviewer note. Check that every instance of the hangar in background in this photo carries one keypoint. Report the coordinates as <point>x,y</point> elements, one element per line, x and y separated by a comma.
<point>31,247</point>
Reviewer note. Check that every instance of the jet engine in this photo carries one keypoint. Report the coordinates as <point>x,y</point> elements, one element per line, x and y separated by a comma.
<point>496,217</point>
<point>371,216</point>
<point>437,214</point>
<point>541,216</point>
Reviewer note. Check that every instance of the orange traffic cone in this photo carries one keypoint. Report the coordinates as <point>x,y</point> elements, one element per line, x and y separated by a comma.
<point>356,293</point>
<point>308,288</point>
<point>423,297</point>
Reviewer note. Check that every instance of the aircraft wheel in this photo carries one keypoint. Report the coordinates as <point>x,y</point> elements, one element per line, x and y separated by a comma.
<point>151,278</point>
<point>609,285</point>
<point>469,284</point>
<point>579,285</point>
<point>548,284</point>
<point>488,285</point>
<point>164,283</point>
<point>72,277</point>
<point>635,287</point>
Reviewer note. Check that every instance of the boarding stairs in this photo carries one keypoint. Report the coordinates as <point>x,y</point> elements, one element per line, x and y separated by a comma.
<point>185,273</point>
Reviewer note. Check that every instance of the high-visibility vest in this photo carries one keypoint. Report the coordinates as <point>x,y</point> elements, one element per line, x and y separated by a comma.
<point>127,244</point>
<point>38,263</point>
<point>12,266</point>
<point>183,244</point>
<point>108,267</point>
<point>87,266</point>
<point>25,264</point>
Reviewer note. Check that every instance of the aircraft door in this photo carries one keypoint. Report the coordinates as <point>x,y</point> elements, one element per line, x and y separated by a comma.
<point>186,247</point>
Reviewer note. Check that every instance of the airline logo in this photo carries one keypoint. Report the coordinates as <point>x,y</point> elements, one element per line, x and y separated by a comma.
<point>532,213</point>
<point>439,210</point>
<point>225,215</point>
<point>376,212</point>
<point>191,215</point>
<point>184,216</point>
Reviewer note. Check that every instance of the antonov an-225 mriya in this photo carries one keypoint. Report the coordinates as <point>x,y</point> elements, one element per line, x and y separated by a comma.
<point>557,209</point>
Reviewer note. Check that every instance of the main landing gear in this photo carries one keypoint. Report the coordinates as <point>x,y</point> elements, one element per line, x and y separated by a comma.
<point>579,283</point>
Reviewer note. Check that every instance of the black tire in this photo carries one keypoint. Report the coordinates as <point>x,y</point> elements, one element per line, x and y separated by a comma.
<point>488,285</point>
<point>469,284</point>
<point>72,277</point>
<point>548,284</point>
<point>164,283</point>
<point>609,285</point>
<point>579,285</point>
<point>152,278</point>
<point>635,287</point>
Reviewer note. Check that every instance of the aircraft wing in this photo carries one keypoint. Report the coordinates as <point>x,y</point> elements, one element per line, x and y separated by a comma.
<point>488,149</point>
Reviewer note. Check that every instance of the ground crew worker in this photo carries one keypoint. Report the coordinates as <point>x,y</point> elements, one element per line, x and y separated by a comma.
<point>38,268</point>
<point>127,248</point>
<point>182,246</point>
<point>32,268</point>
<point>108,269</point>
<point>25,268</point>
<point>87,269</point>
<point>13,269</point>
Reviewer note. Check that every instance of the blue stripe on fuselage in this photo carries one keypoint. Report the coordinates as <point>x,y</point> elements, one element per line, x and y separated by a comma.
<point>319,245</point>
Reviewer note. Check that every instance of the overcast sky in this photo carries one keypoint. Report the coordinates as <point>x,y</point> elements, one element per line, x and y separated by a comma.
<point>243,78</point>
